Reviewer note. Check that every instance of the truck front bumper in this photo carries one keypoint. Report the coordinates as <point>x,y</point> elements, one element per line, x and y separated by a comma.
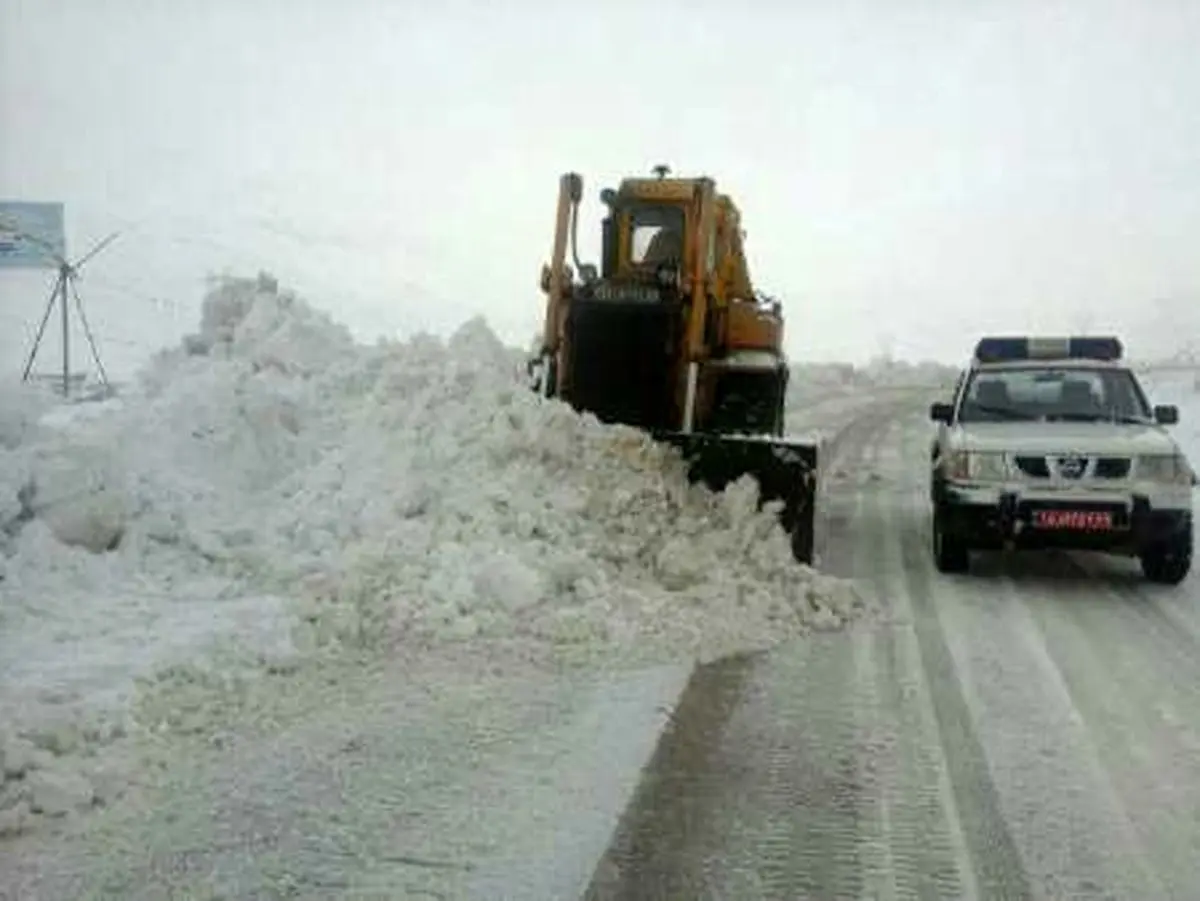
<point>998,518</point>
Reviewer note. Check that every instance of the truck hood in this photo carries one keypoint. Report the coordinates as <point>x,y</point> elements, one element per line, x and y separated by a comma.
<point>1065,437</point>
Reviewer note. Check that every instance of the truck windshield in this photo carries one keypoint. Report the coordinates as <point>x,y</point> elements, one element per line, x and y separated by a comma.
<point>1043,392</point>
<point>656,234</point>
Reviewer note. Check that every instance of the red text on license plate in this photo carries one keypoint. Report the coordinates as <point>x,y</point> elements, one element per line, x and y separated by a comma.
<point>1096,520</point>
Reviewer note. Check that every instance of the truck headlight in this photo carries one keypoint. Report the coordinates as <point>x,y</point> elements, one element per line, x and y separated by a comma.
<point>1167,469</point>
<point>978,466</point>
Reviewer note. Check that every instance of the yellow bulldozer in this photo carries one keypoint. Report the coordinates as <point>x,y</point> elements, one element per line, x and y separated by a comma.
<point>669,335</point>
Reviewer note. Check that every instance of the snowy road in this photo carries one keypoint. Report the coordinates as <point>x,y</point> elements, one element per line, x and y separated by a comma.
<point>1029,731</point>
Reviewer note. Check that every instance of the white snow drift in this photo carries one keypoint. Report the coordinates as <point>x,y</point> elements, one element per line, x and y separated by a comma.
<point>275,485</point>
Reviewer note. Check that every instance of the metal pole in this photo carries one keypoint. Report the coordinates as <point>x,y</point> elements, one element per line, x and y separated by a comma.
<point>66,326</point>
<point>41,329</point>
<point>87,333</point>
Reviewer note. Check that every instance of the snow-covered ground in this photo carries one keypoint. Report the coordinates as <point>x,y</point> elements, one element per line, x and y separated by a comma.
<point>374,781</point>
<point>274,498</point>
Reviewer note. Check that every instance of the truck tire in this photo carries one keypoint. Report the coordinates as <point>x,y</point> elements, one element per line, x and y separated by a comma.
<point>950,553</point>
<point>1168,562</point>
<point>935,481</point>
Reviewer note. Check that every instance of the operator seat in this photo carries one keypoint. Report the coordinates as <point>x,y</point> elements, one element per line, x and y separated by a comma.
<point>665,246</point>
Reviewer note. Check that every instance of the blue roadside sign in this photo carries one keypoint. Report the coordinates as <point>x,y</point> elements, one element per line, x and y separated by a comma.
<point>32,235</point>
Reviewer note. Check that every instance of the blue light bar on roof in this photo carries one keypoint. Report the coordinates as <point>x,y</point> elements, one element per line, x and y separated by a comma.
<point>1011,350</point>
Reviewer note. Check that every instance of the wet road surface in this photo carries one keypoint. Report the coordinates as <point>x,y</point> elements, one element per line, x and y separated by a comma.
<point>1030,730</point>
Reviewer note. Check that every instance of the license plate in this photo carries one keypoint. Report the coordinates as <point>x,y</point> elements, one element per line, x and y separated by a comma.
<point>1084,520</point>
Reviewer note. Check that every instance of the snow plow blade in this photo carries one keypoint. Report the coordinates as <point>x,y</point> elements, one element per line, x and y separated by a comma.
<point>786,470</point>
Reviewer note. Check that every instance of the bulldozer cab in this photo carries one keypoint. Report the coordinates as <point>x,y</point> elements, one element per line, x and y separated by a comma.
<point>646,228</point>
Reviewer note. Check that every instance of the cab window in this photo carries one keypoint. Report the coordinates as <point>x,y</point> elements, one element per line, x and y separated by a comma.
<point>656,235</point>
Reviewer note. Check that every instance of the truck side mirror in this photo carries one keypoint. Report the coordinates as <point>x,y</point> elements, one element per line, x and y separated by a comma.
<point>1166,414</point>
<point>941,412</point>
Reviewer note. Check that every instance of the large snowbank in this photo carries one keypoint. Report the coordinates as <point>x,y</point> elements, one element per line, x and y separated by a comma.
<point>273,490</point>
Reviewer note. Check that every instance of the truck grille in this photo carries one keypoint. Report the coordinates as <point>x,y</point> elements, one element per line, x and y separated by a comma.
<point>1095,467</point>
<point>1034,466</point>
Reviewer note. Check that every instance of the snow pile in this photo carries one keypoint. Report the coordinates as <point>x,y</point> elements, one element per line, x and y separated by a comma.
<point>273,489</point>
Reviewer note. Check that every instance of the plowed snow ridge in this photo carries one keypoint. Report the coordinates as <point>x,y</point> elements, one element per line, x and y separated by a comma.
<point>275,490</point>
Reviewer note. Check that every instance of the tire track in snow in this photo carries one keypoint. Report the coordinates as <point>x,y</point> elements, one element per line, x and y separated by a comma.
<point>905,840</point>
<point>1014,771</point>
<point>759,805</point>
<point>816,719</point>
<point>668,823</point>
<point>841,505</point>
<point>1135,678</point>
<point>770,788</point>
<point>1149,755</point>
<point>827,780</point>
<point>919,818</point>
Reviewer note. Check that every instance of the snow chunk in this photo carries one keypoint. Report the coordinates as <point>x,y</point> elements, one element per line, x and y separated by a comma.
<point>59,792</point>
<point>79,492</point>
<point>18,757</point>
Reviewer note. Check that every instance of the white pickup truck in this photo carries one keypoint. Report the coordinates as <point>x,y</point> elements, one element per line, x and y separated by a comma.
<point>1051,442</point>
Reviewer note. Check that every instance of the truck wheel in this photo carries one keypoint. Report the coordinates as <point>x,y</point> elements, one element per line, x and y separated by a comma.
<point>935,486</point>
<point>950,553</point>
<point>1170,561</point>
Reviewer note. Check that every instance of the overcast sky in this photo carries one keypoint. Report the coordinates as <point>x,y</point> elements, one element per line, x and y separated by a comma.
<point>911,174</point>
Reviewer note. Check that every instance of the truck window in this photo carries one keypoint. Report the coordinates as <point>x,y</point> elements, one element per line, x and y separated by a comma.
<point>1045,392</point>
